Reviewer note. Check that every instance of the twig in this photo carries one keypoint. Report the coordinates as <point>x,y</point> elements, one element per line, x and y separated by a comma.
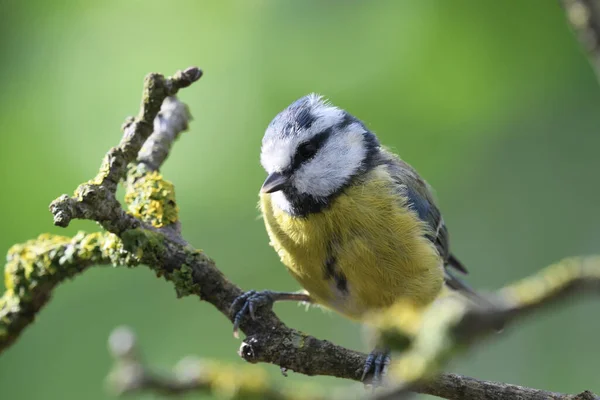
<point>454,324</point>
<point>131,375</point>
<point>452,386</point>
<point>34,268</point>
<point>171,121</point>
<point>95,200</point>
<point>149,197</point>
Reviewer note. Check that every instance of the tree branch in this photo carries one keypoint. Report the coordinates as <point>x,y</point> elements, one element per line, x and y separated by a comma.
<point>95,199</point>
<point>172,119</point>
<point>34,268</point>
<point>453,324</point>
<point>131,375</point>
<point>452,386</point>
<point>149,234</point>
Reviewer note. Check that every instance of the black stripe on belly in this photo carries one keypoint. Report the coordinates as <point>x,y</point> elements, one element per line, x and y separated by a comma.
<point>331,272</point>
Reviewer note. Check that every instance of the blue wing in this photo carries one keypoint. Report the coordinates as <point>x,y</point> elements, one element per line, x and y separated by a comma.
<point>428,212</point>
<point>419,197</point>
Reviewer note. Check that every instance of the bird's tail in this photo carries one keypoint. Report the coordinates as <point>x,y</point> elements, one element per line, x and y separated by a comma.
<point>456,264</point>
<point>465,289</point>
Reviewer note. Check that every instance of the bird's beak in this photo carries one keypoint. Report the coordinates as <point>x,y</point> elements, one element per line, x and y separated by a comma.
<point>274,182</point>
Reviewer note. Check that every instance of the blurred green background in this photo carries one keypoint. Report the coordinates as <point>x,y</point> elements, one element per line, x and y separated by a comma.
<point>493,102</point>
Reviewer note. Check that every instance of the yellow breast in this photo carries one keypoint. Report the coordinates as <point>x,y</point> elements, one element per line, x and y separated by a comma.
<point>363,252</point>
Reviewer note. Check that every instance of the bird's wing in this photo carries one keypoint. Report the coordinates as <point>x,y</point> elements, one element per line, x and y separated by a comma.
<point>420,199</point>
<point>418,193</point>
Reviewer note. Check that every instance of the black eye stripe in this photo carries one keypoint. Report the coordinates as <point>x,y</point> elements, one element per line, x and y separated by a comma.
<point>308,149</point>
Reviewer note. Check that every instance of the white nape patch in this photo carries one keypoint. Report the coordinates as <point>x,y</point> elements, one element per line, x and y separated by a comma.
<point>278,149</point>
<point>339,158</point>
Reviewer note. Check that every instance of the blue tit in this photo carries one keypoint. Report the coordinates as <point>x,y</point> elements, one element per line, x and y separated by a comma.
<point>355,225</point>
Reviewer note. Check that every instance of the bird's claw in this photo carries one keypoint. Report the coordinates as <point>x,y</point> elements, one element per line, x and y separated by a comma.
<point>247,303</point>
<point>378,361</point>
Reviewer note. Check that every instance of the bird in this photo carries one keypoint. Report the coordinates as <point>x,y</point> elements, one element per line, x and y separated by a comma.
<point>354,224</point>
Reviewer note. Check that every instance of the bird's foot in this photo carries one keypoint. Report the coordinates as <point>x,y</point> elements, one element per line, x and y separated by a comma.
<point>378,362</point>
<point>252,299</point>
<point>247,303</point>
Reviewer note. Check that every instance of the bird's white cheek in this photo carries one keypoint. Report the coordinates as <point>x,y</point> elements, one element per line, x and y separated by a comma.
<point>333,166</point>
<point>281,202</point>
<point>316,179</point>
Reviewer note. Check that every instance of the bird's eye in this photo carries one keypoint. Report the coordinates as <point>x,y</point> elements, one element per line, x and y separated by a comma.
<point>307,150</point>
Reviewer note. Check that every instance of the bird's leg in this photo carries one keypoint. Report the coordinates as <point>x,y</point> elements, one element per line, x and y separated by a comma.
<point>252,299</point>
<point>378,361</point>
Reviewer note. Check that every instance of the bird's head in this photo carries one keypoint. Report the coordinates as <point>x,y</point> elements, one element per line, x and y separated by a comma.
<point>313,149</point>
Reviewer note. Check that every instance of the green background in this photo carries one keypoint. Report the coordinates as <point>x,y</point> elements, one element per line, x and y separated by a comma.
<point>493,102</point>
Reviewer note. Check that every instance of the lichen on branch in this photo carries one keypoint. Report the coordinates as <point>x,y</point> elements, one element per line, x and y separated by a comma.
<point>35,267</point>
<point>151,198</point>
<point>95,199</point>
<point>428,340</point>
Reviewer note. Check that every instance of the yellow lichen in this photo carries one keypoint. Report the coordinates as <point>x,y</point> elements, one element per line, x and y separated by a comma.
<point>50,257</point>
<point>152,199</point>
<point>33,268</point>
<point>535,289</point>
<point>27,259</point>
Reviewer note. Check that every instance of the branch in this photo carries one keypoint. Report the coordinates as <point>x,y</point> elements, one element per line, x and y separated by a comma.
<point>454,324</point>
<point>37,266</point>
<point>34,268</point>
<point>171,121</point>
<point>131,375</point>
<point>95,200</point>
<point>149,234</point>
<point>149,197</point>
<point>452,386</point>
